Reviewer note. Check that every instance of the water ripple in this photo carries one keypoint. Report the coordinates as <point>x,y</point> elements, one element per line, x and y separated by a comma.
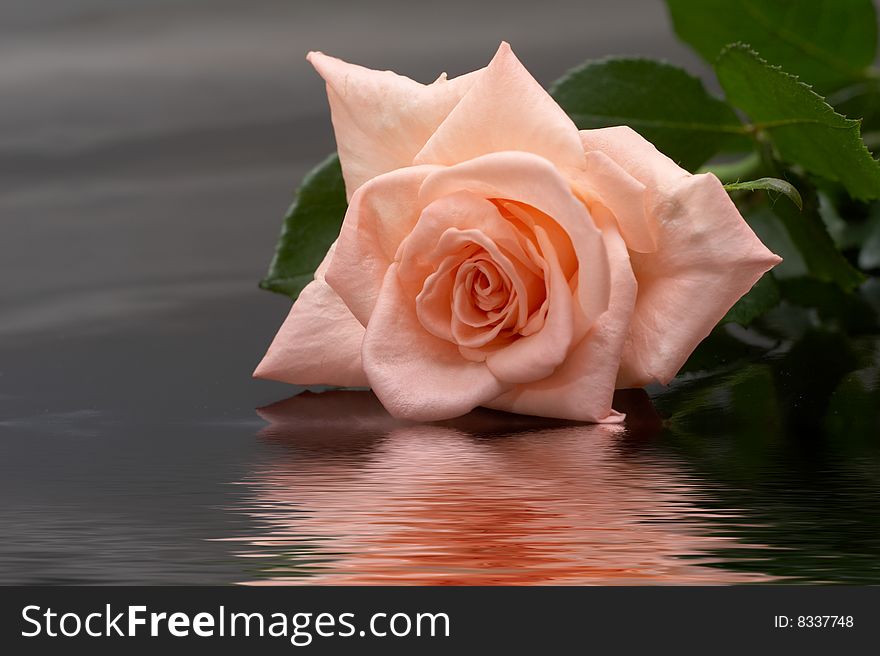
<point>352,496</point>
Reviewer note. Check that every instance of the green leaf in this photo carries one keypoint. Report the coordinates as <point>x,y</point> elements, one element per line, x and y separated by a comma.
<point>763,295</point>
<point>663,103</point>
<point>819,252</point>
<point>311,225</point>
<point>769,184</point>
<point>803,128</point>
<point>828,43</point>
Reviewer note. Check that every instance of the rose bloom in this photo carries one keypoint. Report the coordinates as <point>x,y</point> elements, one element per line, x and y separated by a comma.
<point>493,255</point>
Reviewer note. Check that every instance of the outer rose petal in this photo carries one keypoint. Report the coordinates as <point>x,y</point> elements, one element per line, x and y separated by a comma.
<point>707,258</point>
<point>381,215</point>
<point>382,119</point>
<point>319,342</point>
<point>607,182</point>
<point>634,154</point>
<point>415,374</point>
<point>583,387</point>
<point>505,109</point>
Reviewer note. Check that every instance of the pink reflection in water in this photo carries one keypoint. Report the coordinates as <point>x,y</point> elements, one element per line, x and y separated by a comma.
<point>356,497</point>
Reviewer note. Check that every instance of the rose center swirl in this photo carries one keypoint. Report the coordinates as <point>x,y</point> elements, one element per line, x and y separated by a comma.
<point>489,285</point>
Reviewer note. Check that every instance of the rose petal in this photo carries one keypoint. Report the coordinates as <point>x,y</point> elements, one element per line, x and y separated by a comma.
<point>382,214</point>
<point>505,109</point>
<point>435,301</point>
<point>634,154</point>
<point>460,210</point>
<point>537,356</point>
<point>534,181</point>
<point>707,258</point>
<point>582,388</point>
<point>382,119</point>
<point>318,344</point>
<point>608,183</point>
<point>415,374</point>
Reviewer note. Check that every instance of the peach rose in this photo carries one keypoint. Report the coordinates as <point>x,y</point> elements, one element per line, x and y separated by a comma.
<point>492,255</point>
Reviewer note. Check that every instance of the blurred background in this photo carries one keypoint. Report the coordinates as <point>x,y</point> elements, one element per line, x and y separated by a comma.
<point>148,151</point>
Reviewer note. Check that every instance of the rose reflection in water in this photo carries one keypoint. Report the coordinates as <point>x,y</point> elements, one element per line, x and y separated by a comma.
<point>353,496</point>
